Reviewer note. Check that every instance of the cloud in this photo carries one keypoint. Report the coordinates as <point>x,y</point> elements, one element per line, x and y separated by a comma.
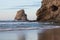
<point>34,4</point>
<point>31,5</point>
<point>22,7</point>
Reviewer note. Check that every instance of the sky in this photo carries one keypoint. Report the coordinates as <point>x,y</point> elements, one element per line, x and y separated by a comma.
<point>9,8</point>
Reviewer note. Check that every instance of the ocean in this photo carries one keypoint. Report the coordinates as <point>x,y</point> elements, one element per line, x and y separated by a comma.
<point>10,30</point>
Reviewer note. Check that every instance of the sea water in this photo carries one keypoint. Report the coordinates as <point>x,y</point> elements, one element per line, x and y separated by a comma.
<point>23,30</point>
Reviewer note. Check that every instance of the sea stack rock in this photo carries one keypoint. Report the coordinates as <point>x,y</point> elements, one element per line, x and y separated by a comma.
<point>50,34</point>
<point>21,16</point>
<point>49,11</point>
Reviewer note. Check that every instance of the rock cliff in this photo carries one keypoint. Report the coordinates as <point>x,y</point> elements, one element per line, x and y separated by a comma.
<point>49,11</point>
<point>21,16</point>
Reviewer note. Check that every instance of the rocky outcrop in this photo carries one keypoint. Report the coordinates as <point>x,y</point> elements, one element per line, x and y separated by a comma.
<point>49,11</point>
<point>21,16</point>
<point>50,34</point>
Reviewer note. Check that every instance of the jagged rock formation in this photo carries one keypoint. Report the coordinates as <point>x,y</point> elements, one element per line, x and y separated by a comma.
<point>21,16</point>
<point>50,34</point>
<point>49,11</point>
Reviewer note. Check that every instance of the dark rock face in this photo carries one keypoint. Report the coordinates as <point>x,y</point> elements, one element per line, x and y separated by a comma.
<point>50,34</point>
<point>49,11</point>
<point>21,16</point>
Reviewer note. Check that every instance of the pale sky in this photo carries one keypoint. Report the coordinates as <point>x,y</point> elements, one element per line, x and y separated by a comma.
<point>8,8</point>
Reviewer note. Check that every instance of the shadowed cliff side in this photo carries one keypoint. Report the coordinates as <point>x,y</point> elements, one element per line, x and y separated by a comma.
<point>49,11</point>
<point>21,16</point>
<point>50,34</point>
